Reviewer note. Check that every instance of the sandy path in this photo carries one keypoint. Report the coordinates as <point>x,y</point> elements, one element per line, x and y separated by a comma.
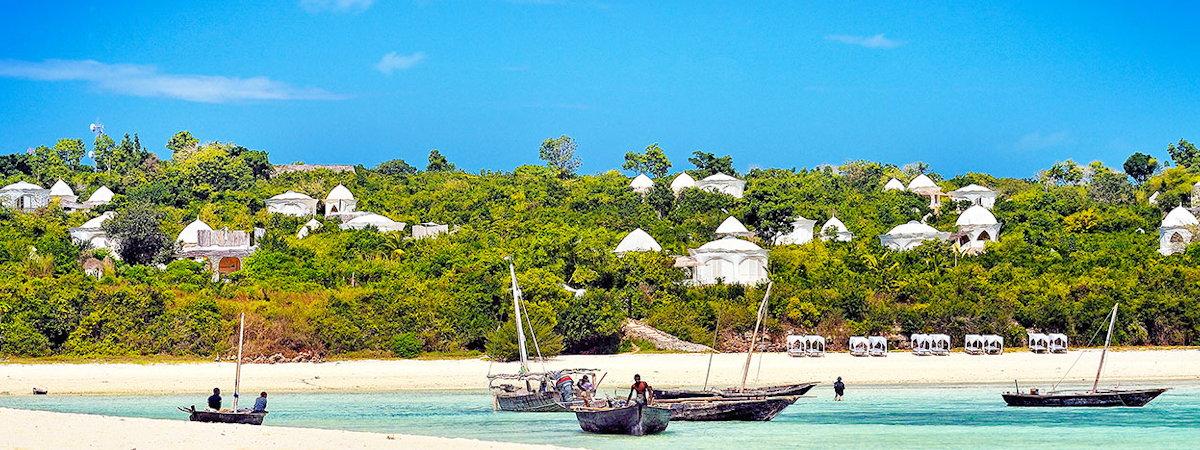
<point>664,370</point>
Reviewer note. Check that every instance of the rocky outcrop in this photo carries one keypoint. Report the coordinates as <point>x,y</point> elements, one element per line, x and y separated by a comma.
<point>637,329</point>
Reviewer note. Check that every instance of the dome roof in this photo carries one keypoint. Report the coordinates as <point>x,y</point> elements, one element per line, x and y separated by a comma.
<point>339,192</point>
<point>371,219</point>
<point>641,182</point>
<point>638,241</point>
<point>732,226</point>
<point>913,228</point>
<point>922,182</point>
<point>720,177</point>
<point>682,181</point>
<point>893,185</point>
<point>98,221</point>
<point>972,188</point>
<point>191,233</point>
<point>730,244</point>
<point>102,195</point>
<point>836,224</point>
<point>1180,217</point>
<point>21,185</point>
<point>292,195</point>
<point>976,215</point>
<point>61,189</point>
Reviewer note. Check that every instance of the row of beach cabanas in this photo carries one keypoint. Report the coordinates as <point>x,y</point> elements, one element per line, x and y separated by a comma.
<point>926,344</point>
<point>1047,343</point>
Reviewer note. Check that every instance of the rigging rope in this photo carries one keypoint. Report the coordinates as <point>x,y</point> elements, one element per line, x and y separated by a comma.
<point>532,334</point>
<point>1077,358</point>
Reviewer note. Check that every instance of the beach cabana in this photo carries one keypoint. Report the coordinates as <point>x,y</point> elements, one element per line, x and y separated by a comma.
<point>796,345</point>
<point>1038,342</point>
<point>920,344</point>
<point>993,344</point>
<point>973,344</point>
<point>1057,343</point>
<point>879,345</point>
<point>815,346</point>
<point>939,344</point>
<point>859,346</point>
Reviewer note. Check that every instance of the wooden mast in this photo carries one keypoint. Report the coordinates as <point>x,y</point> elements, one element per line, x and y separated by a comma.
<point>762,308</point>
<point>237,377</point>
<point>716,334</point>
<point>516,294</point>
<point>1112,321</point>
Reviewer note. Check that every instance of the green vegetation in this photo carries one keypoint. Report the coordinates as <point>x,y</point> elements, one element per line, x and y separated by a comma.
<point>1076,239</point>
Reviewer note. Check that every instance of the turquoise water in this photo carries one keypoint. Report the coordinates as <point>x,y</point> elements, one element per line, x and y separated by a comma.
<point>871,417</point>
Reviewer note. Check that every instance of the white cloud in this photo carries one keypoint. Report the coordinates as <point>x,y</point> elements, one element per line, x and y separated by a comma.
<point>1038,141</point>
<point>393,61</point>
<point>318,6</point>
<point>876,41</point>
<point>147,81</point>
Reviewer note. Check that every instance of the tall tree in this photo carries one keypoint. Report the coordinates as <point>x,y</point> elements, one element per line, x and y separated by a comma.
<point>71,151</point>
<point>102,150</point>
<point>1140,166</point>
<point>1184,153</point>
<point>652,161</point>
<point>709,164</point>
<point>559,153</point>
<point>136,227</point>
<point>438,162</point>
<point>1063,173</point>
<point>395,167</point>
<point>182,144</point>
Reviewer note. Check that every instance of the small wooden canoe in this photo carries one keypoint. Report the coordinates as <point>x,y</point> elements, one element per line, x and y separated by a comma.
<point>728,409</point>
<point>633,420</point>
<point>1100,398</point>
<point>768,391</point>
<point>243,417</point>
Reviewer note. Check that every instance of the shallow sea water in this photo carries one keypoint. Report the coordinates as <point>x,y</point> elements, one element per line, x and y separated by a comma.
<point>871,417</point>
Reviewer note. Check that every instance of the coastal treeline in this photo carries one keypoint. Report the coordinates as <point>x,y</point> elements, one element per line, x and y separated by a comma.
<point>1075,239</point>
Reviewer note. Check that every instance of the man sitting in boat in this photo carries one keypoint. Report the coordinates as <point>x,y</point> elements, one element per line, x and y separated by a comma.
<point>585,390</point>
<point>565,386</point>
<point>214,401</point>
<point>260,403</point>
<point>645,393</point>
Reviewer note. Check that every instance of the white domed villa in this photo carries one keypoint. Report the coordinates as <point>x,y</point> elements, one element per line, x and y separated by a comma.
<point>910,235</point>
<point>976,226</point>
<point>681,182</point>
<point>802,232</point>
<point>642,184</point>
<point>292,204</point>
<point>975,194</point>
<point>101,196</point>
<point>727,260</point>
<point>1177,230</point>
<point>340,202</point>
<point>894,185</point>
<point>221,250</point>
<point>835,228</point>
<point>381,223</point>
<point>24,196</point>
<point>63,192</point>
<point>723,184</point>
<point>637,241</point>
<point>92,232</point>
<point>923,185</point>
<point>733,227</point>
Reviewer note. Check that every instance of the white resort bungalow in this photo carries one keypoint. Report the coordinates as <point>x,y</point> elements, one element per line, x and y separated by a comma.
<point>910,235</point>
<point>642,184</point>
<point>837,230</point>
<point>92,232</point>
<point>733,227</point>
<point>723,184</point>
<point>923,185</point>
<point>802,232</point>
<point>1177,230</point>
<point>222,250</point>
<point>681,182</point>
<point>729,260</point>
<point>1057,342</point>
<point>976,226</point>
<point>367,220</point>
<point>101,196</point>
<point>340,202</point>
<point>292,203</point>
<point>1039,343</point>
<point>429,229</point>
<point>976,194</point>
<point>637,241</point>
<point>894,185</point>
<point>859,346</point>
<point>63,192</point>
<point>24,196</point>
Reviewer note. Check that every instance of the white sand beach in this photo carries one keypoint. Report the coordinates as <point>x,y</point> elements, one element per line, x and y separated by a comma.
<point>663,370</point>
<point>42,429</point>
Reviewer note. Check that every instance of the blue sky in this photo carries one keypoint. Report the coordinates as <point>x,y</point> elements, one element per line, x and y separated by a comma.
<point>1002,87</point>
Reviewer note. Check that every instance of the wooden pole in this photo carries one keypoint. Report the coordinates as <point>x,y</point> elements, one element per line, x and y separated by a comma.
<point>237,377</point>
<point>762,307</point>
<point>1111,321</point>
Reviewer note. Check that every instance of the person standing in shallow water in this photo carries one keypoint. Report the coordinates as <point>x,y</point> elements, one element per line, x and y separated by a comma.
<point>839,388</point>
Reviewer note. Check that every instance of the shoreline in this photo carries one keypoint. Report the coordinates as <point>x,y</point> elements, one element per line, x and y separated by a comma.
<point>661,369</point>
<point>42,429</point>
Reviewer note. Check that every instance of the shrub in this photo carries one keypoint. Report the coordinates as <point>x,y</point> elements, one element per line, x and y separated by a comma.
<point>407,345</point>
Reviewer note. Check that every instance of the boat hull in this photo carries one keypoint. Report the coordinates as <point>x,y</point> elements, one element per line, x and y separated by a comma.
<point>769,391</point>
<point>757,410</point>
<point>634,420</point>
<point>535,402</point>
<point>1113,398</point>
<point>243,417</point>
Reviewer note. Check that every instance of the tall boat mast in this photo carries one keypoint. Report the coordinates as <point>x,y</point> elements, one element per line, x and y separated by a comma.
<point>762,308</point>
<point>516,294</point>
<point>1111,321</point>
<point>237,377</point>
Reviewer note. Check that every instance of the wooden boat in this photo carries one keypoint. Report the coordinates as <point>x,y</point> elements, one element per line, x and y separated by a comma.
<point>527,391</point>
<point>1094,397</point>
<point>768,391</point>
<point>233,415</point>
<point>725,409</point>
<point>633,420</point>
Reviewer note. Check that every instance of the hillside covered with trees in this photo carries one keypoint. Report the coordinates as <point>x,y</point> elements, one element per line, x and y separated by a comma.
<point>1075,239</point>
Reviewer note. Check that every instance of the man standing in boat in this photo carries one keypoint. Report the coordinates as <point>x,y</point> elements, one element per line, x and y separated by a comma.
<point>645,393</point>
<point>839,388</point>
<point>565,386</point>
<point>214,401</point>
